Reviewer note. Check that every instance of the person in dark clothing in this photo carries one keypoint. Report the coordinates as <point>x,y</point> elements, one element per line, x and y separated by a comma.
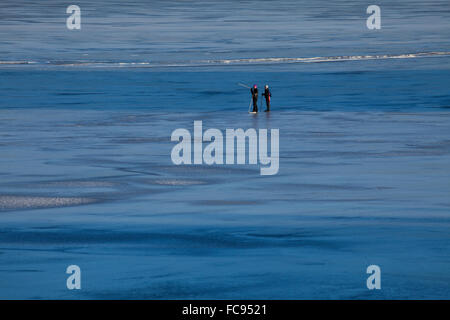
<point>267,94</point>
<point>254,92</point>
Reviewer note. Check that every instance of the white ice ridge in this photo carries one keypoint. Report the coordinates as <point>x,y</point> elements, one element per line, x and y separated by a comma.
<point>221,62</point>
<point>329,59</point>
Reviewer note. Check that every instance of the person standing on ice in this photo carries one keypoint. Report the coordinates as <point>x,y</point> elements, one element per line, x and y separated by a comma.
<point>267,94</point>
<point>254,92</point>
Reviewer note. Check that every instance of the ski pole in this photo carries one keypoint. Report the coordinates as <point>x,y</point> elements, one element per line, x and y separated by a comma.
<point>243,85</point>
<point>250,105</point>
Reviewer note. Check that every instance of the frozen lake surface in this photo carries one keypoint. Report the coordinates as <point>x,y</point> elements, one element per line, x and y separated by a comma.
<point>86,176</point>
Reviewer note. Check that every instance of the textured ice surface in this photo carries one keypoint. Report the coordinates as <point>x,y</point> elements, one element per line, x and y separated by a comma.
<point>354,189</point>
